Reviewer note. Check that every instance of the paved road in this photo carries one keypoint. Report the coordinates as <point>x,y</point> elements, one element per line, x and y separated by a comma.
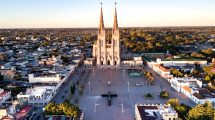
<point>64,91</point>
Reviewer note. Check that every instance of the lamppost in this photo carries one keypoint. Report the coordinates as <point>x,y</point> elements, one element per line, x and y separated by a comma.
<point>128,86</point>
<point>93,74</point>
<point>122,108</point>
<point>123,73</point>
<point>89,85</point>
<point>95,109</point>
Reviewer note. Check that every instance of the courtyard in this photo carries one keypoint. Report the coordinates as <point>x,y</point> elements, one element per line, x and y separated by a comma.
<point>118,81</point>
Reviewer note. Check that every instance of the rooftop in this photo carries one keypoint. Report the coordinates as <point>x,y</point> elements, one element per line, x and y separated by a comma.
<point>43,91</point>
<point>204,94</point>
<point>162,68</point>
<point>21,115</point>
<point>154,112</point>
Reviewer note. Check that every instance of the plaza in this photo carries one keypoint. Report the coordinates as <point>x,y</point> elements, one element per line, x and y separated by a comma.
<point>117,81</point>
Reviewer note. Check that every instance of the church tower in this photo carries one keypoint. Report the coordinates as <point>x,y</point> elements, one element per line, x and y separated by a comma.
<point>115,40</point>
<point>107,53</point>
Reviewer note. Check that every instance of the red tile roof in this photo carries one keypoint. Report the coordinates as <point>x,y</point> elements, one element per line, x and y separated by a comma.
<point>161,68</point>
<point>23,112</point>
<point>3,94</point>
<point>187,89</point>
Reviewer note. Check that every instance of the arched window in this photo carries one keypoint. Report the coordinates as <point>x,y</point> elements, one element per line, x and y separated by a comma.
<point>108,62</point>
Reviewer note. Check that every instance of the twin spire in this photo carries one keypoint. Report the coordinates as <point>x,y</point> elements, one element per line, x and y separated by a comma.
<point>101,24</point>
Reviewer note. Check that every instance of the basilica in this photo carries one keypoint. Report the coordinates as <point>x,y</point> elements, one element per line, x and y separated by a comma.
<point>108,52</point>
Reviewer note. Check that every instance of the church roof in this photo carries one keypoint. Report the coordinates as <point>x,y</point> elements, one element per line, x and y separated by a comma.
<point>101,24</point>
<point>115,24</point>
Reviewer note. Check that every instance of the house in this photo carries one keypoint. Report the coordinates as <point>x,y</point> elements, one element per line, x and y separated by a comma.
<point>8,73</point>
<point>38,96</point>
<point>4,95</point>
<point>203,95</point>
<point>162,71</point>
<point>155,112</point>
<point>25,112</point>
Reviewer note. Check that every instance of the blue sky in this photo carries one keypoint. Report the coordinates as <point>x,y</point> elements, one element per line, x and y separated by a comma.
<point>85,13</point>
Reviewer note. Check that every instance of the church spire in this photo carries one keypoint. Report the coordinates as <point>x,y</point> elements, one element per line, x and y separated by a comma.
<point>101,24</point>
<point>115,24</point>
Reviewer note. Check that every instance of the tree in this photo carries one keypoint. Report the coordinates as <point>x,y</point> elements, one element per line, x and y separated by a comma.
<point>176,72</point>
<point>65,59</point>
<point>73,89</point>
<point>149,95</point>
<point>181,109</point>
<point>207,78</point>
<point>65,108</point>
<point>164,94</point>
<point>202,112</point>
<point>173,102</point>
<point>1,77</point>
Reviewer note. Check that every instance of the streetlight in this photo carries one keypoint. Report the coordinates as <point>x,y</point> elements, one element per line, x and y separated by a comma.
<point>123,73</point>
<point>128,86</point>
<point>122,108</point>
<point>89,85</point>
<point>95,109</point>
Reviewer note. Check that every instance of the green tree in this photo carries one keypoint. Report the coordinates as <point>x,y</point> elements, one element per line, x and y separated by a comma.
<point>202,112</point>
<point>207,78</point>
<point>164,94</point>
<point>173,102</point>
<point>181,109</point>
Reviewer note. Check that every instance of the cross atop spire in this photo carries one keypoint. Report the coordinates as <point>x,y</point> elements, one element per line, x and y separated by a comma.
<point>115,24</point>
<point>101,24</point>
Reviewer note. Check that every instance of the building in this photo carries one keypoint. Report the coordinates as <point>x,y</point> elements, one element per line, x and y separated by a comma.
<point>4,95</point>
<point>181,62</point>
<point>132,62</point>
<point>162,71</point>
<point>155,112</point>
<point>203,95</point>
<point>38,96</point>
<point>13,112</point>
<point>8,74</point>
<point>179,83</point>
<point>107,52</point>
<point>48,61</point>
<point>44,78</point>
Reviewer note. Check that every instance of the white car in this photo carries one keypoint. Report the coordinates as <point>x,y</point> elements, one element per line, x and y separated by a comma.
<point>140,84</point>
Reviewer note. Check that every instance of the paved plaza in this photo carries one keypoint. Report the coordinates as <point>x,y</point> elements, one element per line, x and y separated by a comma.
<point>118,82</point>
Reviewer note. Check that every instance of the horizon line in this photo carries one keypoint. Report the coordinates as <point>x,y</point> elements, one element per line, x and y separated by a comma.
<point>105,27</point>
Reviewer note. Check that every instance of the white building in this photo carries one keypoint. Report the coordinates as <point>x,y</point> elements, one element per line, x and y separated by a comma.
<point>4,95</point>
<point>162,71</point>
<point>49,78</point>
<point>155,112</point>
<point>203,95</point>
<point>179,83</point>
<point>39,96</point>
<point>185,62</point>
<point>135,62</point>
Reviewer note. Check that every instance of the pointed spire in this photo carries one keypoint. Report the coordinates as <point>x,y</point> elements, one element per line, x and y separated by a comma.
<point>101,24</point>
<point>115,24</point>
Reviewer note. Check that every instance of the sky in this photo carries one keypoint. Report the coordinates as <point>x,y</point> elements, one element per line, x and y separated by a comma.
<point>85,13</point>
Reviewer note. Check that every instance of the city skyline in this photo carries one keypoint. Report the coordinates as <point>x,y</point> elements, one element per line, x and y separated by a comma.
<point>83,14</point>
